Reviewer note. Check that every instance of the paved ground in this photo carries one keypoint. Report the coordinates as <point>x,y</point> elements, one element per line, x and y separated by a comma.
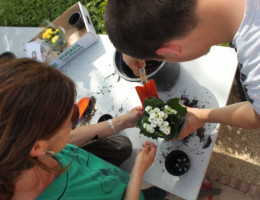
<point>227,193</point>
<point>235,160</point>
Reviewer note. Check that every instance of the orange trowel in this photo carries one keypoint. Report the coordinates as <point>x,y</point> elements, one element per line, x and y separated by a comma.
<point>148,89</point>
<point>83,104</point>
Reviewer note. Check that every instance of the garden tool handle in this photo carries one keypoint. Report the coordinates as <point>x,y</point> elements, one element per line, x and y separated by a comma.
<point>142,74</point>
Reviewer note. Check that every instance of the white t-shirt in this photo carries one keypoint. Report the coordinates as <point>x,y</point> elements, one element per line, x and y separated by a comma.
<point>247,45</point>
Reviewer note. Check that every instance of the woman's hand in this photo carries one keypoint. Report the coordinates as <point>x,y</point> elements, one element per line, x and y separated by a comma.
<point>143,161</point>
<point>133,63</point>
<point>132,116</point>
<point>145,157</point>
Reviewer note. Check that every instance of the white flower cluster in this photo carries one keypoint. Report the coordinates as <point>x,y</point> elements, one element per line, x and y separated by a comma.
<point>157,118</point>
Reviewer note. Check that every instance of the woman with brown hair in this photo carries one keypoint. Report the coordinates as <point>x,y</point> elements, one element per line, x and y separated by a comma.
<point>39,150</point>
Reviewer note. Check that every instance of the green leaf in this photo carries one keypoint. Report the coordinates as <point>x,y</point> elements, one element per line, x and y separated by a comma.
<point>181,110</point>
<point>175,104</point>
<point>141,121</point>
<point>153,102</point>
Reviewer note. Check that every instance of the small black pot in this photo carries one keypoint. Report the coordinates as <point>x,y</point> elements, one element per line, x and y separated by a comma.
<point>105,117</point>
<point>177,163</point>
<point>76,20</point>
<point>7,55</point>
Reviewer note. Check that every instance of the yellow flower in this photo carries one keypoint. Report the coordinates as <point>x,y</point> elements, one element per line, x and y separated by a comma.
<point>50,34</point>
<point>54,39</point>
<point>44,36</point>
<point>49,30</point>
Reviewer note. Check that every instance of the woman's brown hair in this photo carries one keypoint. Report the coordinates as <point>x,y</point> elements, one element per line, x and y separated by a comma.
<point>35,99</point>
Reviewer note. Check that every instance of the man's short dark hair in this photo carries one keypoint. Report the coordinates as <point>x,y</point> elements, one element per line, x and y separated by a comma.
<point>139,27</point>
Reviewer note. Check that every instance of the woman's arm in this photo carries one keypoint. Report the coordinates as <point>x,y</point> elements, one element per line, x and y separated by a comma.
<point>83,134</point>
<point>143,161</point>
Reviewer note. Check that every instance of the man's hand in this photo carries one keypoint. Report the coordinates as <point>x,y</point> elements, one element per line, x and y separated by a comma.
<point>193,120</point>
<point>133,63</point>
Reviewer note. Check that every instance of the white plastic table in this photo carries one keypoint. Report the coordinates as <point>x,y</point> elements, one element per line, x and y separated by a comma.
<point>207,79</point>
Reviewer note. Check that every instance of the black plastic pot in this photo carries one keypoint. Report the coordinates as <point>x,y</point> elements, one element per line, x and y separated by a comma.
<point>177,163</point>
<point>105,117</point>
<point>7,55</point>
<point>76,20</point>
<point>165,75</point>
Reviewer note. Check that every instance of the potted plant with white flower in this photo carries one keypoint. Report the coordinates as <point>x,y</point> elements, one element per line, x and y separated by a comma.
<point>162,119</point>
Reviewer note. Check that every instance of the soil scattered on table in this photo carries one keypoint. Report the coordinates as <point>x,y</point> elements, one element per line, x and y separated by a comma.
<point>207,143</point>
<point>190,103</point>
<point>110,75</point>
<point>201,133</point>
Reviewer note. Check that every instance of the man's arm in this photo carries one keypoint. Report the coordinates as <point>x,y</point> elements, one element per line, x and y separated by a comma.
<point>240,115</point>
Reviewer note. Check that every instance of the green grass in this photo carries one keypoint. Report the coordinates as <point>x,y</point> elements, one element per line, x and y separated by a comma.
<point>32,13</point>
<point>225,45</point>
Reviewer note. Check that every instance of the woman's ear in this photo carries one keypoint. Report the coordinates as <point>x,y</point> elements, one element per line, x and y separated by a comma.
<point>39,148</point>
<point>169,48</point>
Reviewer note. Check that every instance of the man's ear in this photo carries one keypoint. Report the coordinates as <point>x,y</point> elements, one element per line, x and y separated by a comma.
<point>39,148</point>
<point>169,49</point>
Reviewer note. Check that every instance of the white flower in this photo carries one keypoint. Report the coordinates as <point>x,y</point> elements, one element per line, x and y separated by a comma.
<point>151,111</point>
<point>173,111</point>
<point>145,125</point>
<point>170,110</point>
<point>162,128</point>
<point>160,121</point>
<point>165,123</point>
<point>153,125</point>
<point>167,131</point>
<point>155,121</point>
<point>148,108</point>
<point>149,129</point>
<point>161,114</point>
<point>156,109</point>
<point>152,116</point>
<point>165,116</point>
